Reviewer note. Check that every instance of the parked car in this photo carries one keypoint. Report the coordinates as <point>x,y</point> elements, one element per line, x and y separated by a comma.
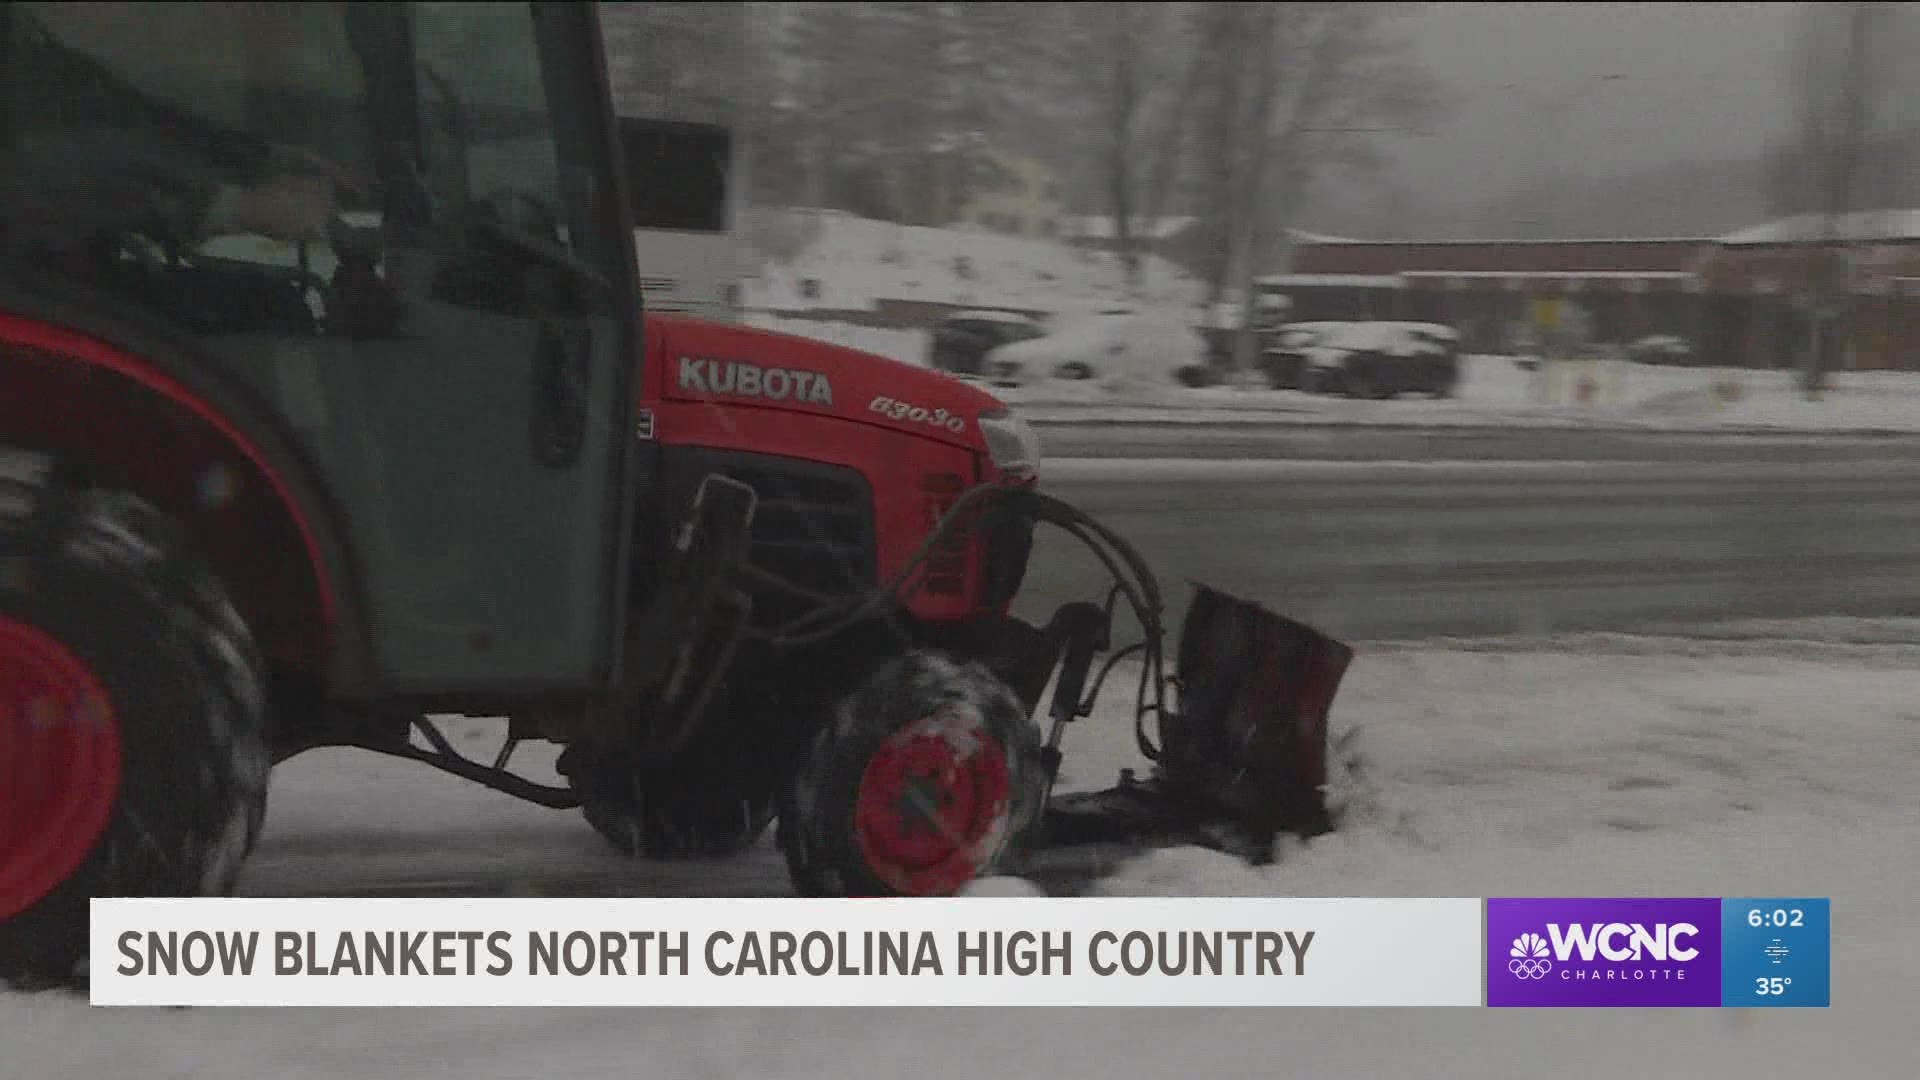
<point>1660,349</point>
<point>1115,345</point>
<point>961,341</point>
<point>1381,359</point>
<point>1220,326</point>
<point>1284,358</point>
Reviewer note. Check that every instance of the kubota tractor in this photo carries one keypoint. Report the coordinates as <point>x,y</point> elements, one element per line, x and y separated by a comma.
<point>327,405</point>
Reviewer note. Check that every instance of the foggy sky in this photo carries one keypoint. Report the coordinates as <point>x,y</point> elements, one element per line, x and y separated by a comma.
<point>1699,81</point>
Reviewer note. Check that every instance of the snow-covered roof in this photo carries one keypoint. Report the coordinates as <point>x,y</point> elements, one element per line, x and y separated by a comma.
<point>1510,241</point>
<point>1100,227</point>
<point>1301,236</point>
<point>1863,225</point>
<point>1349,281</point>
<point>988,315</point>
<point>1614,275</point>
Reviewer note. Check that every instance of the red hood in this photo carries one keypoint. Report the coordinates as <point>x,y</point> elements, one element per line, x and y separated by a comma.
<point>692,359</point>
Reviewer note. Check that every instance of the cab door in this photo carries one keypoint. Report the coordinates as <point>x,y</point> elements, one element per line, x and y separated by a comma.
<point>482,389</point>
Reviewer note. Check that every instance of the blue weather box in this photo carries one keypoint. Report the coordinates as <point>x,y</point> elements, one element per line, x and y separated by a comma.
<point>1776,952</point>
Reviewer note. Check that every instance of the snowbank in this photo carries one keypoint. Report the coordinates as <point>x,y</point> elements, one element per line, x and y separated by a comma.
<point>906,346</point>
<point>1601,765</point>
<point>829,261</point>
<point>1496,391</point>
<point>855,262</point>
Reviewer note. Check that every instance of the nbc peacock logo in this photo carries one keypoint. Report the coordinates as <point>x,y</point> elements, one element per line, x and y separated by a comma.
<point>1529,957</point>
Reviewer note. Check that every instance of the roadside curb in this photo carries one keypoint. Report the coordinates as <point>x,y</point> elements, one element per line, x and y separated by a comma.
<point>1279,423</point>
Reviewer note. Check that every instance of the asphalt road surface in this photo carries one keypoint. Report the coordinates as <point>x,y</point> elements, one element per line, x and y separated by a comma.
<point>1385,550</point>
<point>1407,443</point>
<point>1363,550</point>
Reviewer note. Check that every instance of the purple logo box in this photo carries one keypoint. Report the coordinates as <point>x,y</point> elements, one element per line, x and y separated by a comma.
<point>1631,952</point>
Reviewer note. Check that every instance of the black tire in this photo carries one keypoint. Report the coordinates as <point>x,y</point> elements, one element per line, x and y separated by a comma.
<point>817,827</point>
<point>107,578</point>
<point>1197,376</point>
<point>678,812</point>
<point>1283,374</point>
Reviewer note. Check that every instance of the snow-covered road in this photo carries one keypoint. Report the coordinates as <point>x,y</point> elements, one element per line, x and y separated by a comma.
<point>1599,765</point>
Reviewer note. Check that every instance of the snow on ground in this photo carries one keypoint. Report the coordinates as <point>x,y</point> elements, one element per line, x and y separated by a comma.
<point>1496,391</point>
<point>856,261</point>
<point>906,346</point>
<point>1779,762</point>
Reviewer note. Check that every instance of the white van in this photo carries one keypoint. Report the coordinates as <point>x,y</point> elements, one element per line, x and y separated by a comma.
<point>689,254</point>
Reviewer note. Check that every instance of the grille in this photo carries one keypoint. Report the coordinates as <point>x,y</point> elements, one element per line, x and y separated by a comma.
<point>946,566</point>
<point>813,523</point>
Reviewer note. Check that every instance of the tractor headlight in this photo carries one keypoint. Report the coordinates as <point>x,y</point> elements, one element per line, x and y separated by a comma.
<point>1011,442</point>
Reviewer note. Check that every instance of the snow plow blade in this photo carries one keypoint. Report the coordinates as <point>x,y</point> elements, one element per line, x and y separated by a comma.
<point>1243,746</point>
<point>1242,755</point>
<point>1256,689</point>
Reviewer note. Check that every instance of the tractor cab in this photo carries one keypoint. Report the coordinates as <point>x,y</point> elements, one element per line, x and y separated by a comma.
<point>327,408</point>
<point>387,240</point>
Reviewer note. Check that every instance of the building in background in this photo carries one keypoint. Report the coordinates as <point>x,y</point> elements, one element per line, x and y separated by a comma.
<point>1491,291</point>
<point>1013,195</point>
<point>1737,300</point>
<point>1763,274</point>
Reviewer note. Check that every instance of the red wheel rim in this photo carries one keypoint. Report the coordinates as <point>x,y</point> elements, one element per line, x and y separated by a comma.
<point>934,805</point>
<point>59,764</point>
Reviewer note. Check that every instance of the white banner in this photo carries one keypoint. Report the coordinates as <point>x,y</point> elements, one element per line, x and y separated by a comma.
<point>989,951</point>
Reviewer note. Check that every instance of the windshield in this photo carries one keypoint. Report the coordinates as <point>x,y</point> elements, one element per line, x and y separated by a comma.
<point>279,135</point>
<point>391,228</point>
<point>680,172</point>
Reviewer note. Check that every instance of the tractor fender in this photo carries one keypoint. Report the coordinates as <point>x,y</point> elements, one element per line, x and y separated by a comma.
<point>130,406</point>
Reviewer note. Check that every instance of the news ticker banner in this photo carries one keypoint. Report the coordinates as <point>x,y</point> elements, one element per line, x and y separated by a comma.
<point>974,951</point>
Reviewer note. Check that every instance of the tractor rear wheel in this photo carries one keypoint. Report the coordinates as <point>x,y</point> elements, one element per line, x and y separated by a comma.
<point>918,784</point>
<point>133,742</point>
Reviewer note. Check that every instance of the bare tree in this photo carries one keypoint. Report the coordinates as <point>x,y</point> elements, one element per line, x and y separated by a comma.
<point>1171,139</point>
<point>1840,83</point>
<point>1310,82</point>
<point>1227,35</point>
<point>1124,94</point>
<point>1137,84</point>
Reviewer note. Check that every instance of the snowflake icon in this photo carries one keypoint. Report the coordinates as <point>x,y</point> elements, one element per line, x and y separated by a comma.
<point>1529,954</point>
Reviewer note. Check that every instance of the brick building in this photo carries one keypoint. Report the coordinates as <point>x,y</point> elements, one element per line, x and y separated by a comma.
<point>1739,299</point>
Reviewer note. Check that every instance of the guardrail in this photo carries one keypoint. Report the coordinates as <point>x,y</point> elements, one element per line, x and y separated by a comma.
<point>1374,550</point>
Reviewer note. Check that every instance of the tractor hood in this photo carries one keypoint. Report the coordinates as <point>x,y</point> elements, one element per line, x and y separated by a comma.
<point>746,367</point>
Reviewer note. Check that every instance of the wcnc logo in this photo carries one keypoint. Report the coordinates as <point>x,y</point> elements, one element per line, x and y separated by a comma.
<point>1603,952</point>
<point>1660,942</point>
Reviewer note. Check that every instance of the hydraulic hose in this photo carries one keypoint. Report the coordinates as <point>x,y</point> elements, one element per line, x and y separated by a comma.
<point>1129,572</point>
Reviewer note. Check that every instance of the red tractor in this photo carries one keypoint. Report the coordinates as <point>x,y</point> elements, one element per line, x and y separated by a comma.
<point>327,405</point>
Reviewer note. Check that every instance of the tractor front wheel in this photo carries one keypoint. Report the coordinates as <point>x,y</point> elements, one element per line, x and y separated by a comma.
<point>133,742</point>
<point>918,784</point>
